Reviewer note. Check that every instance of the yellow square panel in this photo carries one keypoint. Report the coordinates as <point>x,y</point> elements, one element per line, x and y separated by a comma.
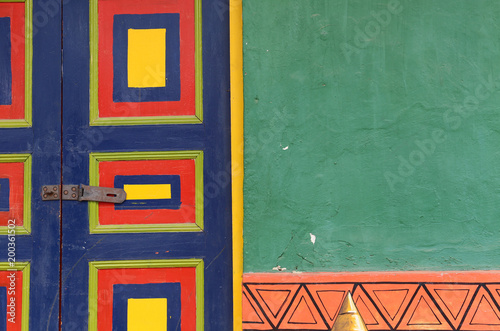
<point>147,314</point>
<point>146,58</point>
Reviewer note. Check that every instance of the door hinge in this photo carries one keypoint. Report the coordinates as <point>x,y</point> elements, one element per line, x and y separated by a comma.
<point>83,193</point>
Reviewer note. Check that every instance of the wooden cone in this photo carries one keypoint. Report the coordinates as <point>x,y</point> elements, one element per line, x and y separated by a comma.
<point>349,318</point>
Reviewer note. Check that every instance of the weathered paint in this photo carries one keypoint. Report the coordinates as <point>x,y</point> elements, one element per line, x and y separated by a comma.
<point>204,144</point>
<point>372,125</point>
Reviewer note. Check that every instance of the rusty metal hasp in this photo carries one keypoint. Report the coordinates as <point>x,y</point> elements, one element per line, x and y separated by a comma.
<point>83,193</point>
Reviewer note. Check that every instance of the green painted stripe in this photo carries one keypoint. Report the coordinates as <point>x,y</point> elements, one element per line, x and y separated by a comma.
<point>134,264</point>
<point>198,58</point>
<point>28,71</point>
<point>199,191</point>
<point>13,158</point>
<point>94,60</point>
<point>200,296</point>
<point>26,228</point>
<point>14,124</point>
<point>92,297</point>
<point>143,228</point>
<point>146,120</point>
<point>25,314</point>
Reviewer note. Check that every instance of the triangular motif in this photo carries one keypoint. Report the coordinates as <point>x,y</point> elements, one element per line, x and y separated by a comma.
<point>367,315</point>
<point>488,316</point>
<point>253,319</point>
<point>391,299</point>
<point>483,313</point>
<point>495,292</point>
<point>302,314</point>
<point>453,299</point>
<point>371,316</point>
<point>273,299</point>
<point>250,314</point>
<point>329,298</point>
<point>423,314</point>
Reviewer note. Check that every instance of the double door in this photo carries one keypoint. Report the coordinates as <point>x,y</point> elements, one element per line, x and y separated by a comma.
<point>120,94</point>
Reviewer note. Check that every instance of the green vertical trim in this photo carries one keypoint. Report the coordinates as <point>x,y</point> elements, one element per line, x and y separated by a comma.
<point>25,305</point>
<point>28,64</point>
<point>94,60</point>
<point>26,159</point>
<point>198,264</point>
<point>25,314</point>
<point>28,69</point>
<point>93,270</point>
<point>200,296</point>
<point>95,120</point>
<point>198,54</point>
<point>26,228</point>
<point>93,181</point>
<point>199,190</point>
<point>197,156</point>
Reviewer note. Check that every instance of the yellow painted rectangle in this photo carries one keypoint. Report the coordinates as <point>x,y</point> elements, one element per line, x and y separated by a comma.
<point>148,191</point>
<point>146,57</point>
<point>147,314</point>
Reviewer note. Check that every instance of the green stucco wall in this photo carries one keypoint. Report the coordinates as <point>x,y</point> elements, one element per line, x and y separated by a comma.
<point>373,127</point>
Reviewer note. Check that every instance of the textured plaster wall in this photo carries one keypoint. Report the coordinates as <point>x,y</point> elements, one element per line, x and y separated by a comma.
<point>372,132</point>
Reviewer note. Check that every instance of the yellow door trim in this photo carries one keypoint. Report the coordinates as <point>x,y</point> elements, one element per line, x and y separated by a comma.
<point>236,40</point>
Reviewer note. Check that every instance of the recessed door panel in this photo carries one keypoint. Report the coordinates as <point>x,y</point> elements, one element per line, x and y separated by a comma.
<point>141,81</point>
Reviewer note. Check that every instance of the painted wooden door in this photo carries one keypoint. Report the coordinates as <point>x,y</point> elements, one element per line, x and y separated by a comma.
<point>133,95</point>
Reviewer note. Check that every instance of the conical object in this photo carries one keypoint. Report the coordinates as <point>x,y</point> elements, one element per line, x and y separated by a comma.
<point>349,318</point>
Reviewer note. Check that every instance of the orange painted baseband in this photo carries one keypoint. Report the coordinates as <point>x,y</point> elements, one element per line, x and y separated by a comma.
<point>468,301</point>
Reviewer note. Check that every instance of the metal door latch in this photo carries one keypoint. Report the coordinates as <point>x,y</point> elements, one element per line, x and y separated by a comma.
<point>83,193</point>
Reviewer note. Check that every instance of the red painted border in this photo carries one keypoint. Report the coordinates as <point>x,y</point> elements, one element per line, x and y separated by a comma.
<point>17,15</point>
<point>18,297</point>
<point>15,173</point>
<point>184,168</point>
<point>186,106</point>
<point>108,277</point>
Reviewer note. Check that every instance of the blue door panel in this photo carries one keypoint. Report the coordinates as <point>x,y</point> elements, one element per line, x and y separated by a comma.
<point>213,244</point>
